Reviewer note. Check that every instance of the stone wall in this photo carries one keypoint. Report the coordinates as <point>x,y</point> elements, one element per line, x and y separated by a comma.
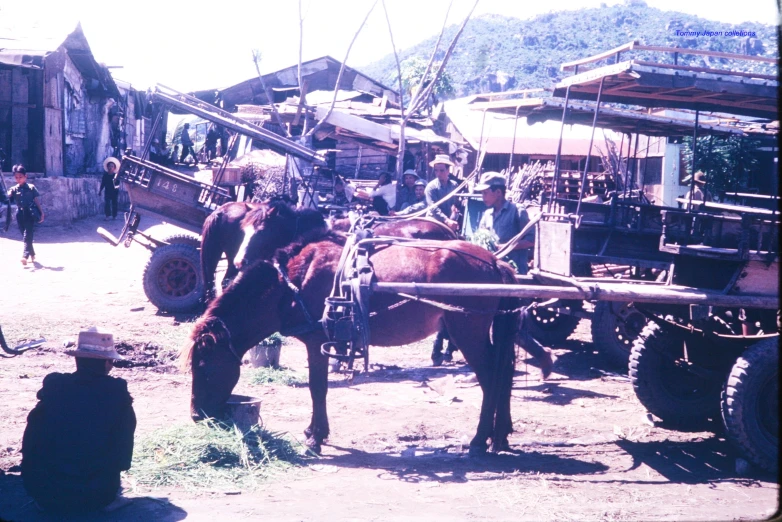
<point>65,200</point>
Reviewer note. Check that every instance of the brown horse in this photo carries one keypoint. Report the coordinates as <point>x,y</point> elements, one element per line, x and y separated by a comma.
<point>260,302</point>
<point>273,225</point>
<point>222,233</point>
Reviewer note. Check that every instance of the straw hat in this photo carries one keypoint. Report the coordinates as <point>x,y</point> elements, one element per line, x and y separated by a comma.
<point>700,178</point>
<point>410,172</point>
<point>490,180</point>
<point>110,159</point>
<point>441,158</point>
<point>93,344</point>
<point>419,183</point>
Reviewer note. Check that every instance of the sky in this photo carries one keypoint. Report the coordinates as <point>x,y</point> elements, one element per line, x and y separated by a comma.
<point>198,44</point>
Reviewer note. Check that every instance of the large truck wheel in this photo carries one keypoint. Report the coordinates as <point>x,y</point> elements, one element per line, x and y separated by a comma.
<point>173,280</point>
<point>682,399</point>
<point>614,328</point>
<point>183,239</point>
<point>549,326</point>
<point>750,404</point>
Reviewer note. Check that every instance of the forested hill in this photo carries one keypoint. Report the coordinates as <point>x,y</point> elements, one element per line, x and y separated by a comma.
<point>497,53</point>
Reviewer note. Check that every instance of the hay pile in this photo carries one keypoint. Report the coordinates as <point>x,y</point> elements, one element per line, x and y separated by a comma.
<point>211,456</point>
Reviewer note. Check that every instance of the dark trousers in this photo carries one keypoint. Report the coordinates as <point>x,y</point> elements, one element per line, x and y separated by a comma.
<point>110,203</point>
<point>380,205</point>
<point>27,228</point>
<point>187,149</point>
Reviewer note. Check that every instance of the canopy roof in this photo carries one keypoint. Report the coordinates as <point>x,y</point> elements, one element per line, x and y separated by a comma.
<point>667,85</point>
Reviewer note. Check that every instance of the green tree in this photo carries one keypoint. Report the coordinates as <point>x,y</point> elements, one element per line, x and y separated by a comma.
<point>412,72</point>
<point>727,162</point>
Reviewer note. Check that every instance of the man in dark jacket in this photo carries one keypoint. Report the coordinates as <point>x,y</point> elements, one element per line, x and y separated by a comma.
<point>80,434</point>
<point>110,183</point>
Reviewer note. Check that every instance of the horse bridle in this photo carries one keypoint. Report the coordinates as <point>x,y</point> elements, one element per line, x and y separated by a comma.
<point>230,342</point>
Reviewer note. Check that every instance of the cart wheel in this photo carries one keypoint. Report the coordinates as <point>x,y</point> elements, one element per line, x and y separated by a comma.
<point>183,239</point>
<point>173,280</point>
<point>614,328</point>
<point>550,326</point>
<point>683,400</point>
<point>750,404</point>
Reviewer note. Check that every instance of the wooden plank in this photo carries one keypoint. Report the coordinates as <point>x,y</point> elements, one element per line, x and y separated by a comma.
<point>602,56</point>
<point>53,142</point>
<point>356,124</point>
<point>591,291</point>
<point>707,70</point>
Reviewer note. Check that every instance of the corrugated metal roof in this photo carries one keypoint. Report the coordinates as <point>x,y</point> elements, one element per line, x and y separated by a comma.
<point>495,134</point>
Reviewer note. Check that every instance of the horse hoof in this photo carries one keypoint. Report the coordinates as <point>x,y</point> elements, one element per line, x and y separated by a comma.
<point>308,433</point>
<point>437,360</point>
<point>477,451</point>
<point>313,447</point>
<point>501,446</point>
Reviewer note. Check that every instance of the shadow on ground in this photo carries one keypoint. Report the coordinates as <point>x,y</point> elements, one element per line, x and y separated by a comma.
<point>17,506</point>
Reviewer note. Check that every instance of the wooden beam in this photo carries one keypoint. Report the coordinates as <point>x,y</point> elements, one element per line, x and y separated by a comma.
<point>602,56</point>
<point>355,124</point>
<point>618,292</point>
<point>704,52</point>
<point>706,70</point>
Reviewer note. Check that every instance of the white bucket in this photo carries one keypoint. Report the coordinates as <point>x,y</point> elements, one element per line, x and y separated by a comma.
<point>307,198</point>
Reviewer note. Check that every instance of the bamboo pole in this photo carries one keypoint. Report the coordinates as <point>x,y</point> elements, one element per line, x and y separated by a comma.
<point>619,292</point>
<point>317,127</point>
<point>269,98</point>
<point>400,155</point>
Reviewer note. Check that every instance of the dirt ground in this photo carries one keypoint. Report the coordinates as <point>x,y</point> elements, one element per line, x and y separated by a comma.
<point>583,448</point>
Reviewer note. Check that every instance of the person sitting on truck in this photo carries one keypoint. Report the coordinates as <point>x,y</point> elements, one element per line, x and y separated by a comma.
<point>79,436</point>
<point>405,195</point>
<point>383,196</point>
<point>420,202</point>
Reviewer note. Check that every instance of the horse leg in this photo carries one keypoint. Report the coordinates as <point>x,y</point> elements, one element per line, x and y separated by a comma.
<point>504,331</point>
<point>437,347</point>
<point>471,334</point>
<point>318,430</point>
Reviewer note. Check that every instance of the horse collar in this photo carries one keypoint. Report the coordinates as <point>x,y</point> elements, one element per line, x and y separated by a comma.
<point>230,342</point>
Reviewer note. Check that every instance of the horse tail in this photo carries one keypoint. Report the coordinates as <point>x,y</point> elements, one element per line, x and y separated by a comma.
<point>504,329</point>
<point>211,250</point>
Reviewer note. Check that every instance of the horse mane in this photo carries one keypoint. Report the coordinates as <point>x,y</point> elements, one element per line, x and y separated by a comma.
<point>258,280</point>
<point>283,255</point>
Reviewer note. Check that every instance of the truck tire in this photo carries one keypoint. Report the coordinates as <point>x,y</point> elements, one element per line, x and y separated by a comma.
<point>173,280</point>
<point>750,404</point>
<point>614,328</point>
<point>551,327</point>
<point>183,239</point>
<point>681,399</point>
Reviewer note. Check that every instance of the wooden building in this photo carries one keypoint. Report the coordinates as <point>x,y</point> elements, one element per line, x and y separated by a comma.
<point>61,112</point>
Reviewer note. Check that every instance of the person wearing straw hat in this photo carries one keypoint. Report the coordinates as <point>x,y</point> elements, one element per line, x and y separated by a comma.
<point>79,436</point>
<point>504,218</point>
<point>110,183</point>
<point>439,188</point>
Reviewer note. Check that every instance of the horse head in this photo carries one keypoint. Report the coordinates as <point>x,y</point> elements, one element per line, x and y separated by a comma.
<point>246,313</point>
<point>273,225</point>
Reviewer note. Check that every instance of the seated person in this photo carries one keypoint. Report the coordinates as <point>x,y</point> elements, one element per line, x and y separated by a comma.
<point>80,434</point>
<point>420,203</point>
<point>405,195</point>
<point>698,190</point>
<point>383,196</point>
<point>343,192</point>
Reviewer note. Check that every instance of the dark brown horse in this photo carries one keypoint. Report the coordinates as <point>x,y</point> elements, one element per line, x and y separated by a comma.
<point>222,234</point>
<point>260,302</point>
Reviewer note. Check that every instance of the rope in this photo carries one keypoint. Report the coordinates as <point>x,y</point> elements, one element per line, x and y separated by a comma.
<point>461,309</point>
